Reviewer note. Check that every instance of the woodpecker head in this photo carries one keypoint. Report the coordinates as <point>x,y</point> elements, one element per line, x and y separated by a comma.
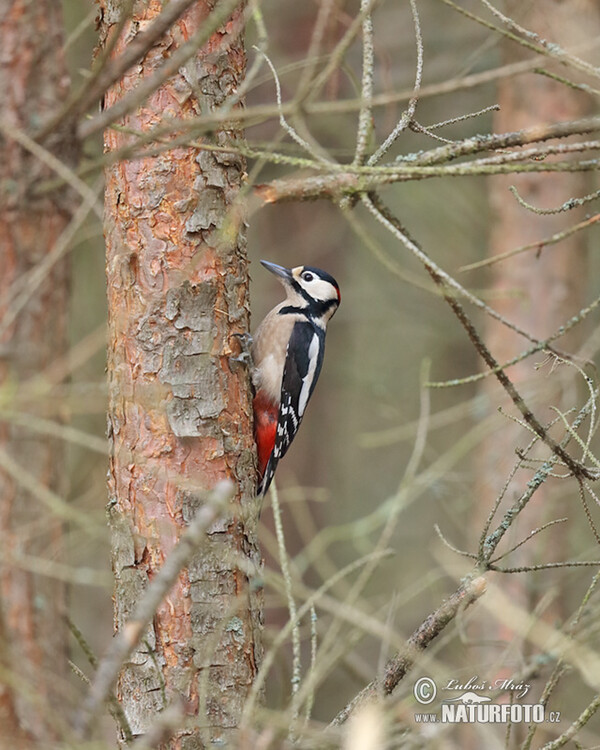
<point>308,288</point>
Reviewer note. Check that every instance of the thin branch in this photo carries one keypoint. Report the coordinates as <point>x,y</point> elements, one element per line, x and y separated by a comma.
<point>540,346</point>
<point>538,245</point>
<point>314,51</point>
<point>580,722</point>
<point>402,662</point>
<point>292,609</point>
<point>462,118</point>
<point>37,275</point>
<point>381,212</point>
<point>586,510</point>
<point>338,54</point>
<point>107,72</point>
<point>150,84</point>
<point>451,547</point>
<point>501,495</point>
<point>566,206</point>
<point>566,82</point>
<point>365,115</point>
<point>58,166</point>
<point>551,49</point>
<point>284,633</point>
<point>544,48</point>
<point>491,542</point>
<point>409,113</point>
<point>284,123</point>
<point>313,660</point>
<point>416,127</point>
<point>528,538</point>
<point>546,566</point>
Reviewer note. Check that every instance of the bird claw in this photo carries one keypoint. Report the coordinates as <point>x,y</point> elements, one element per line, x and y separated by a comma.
<point>245,356</point>
<point>245,339</point>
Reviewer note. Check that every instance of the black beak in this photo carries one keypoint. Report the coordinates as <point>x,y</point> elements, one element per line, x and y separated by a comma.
<point>284,273</point>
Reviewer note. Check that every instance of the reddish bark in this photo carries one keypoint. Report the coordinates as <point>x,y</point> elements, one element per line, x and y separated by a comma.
<point>180,412</point>
<point>32,607</point>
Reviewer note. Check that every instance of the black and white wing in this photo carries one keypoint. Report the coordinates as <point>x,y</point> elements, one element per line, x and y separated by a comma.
<point>303,361</point>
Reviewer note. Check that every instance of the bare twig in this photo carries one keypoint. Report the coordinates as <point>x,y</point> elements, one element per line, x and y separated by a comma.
<point>540,346</point>
<point>490,542</point>
<point>577,469</point>
<point>56,504</point>
<point>108,71</point>
<point>338,54</point>
<point>566,206</point>
<point>150,84</point>
<point>447,543</point>
<point>55,164</point>
<point>542,47</point>
<point>292,609</point>
<point>551,49</point>
<point>580,722</point>
<point>314,49</point>
<point>38,274</point>
<point>547,566</point>
<point>528,538</point>
<point>285,632</point>
<point>538,246</point>
<point>565,81</point>
<point>408,115</point>
<point>397,667</point>
<point>365,115</point>
<point>284,123</point>
<point>462,118</point>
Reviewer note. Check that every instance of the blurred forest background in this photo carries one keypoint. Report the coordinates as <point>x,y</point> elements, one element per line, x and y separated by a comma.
<point>378,450</point>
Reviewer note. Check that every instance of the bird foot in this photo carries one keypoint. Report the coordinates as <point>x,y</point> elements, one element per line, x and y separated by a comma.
<point>245,355</point>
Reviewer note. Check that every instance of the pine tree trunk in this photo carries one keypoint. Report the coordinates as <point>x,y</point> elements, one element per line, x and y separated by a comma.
<point>33,333</point>
<point>180,409</point>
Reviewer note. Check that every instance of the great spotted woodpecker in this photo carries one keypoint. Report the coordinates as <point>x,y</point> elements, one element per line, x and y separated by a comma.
<point>287,353</point>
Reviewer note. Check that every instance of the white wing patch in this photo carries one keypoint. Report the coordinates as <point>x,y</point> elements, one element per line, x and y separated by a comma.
<point>313,355</point>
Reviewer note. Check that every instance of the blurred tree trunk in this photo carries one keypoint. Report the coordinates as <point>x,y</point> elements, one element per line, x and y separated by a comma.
<point>180,409</point>
<point>538,291</point>
<point>33,634</point>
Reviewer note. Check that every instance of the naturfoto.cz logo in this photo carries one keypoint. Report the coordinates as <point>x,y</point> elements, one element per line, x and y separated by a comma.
<point>470,707</point>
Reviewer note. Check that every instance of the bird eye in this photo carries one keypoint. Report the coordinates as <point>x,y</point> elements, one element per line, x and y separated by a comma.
<point>307,276</point>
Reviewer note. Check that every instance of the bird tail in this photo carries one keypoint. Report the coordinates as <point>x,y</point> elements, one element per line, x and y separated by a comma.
<point>267,477</point>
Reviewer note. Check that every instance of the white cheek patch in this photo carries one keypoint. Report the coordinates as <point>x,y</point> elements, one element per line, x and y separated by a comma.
<point>320,290</point>
<point>313,354</point>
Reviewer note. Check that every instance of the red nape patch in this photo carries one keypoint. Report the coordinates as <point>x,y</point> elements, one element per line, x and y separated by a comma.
<point>265,428</point>
<point>339,294</point>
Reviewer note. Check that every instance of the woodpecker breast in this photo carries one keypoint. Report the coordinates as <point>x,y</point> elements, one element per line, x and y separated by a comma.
<point>269,349</point>
<point>288,352</point>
